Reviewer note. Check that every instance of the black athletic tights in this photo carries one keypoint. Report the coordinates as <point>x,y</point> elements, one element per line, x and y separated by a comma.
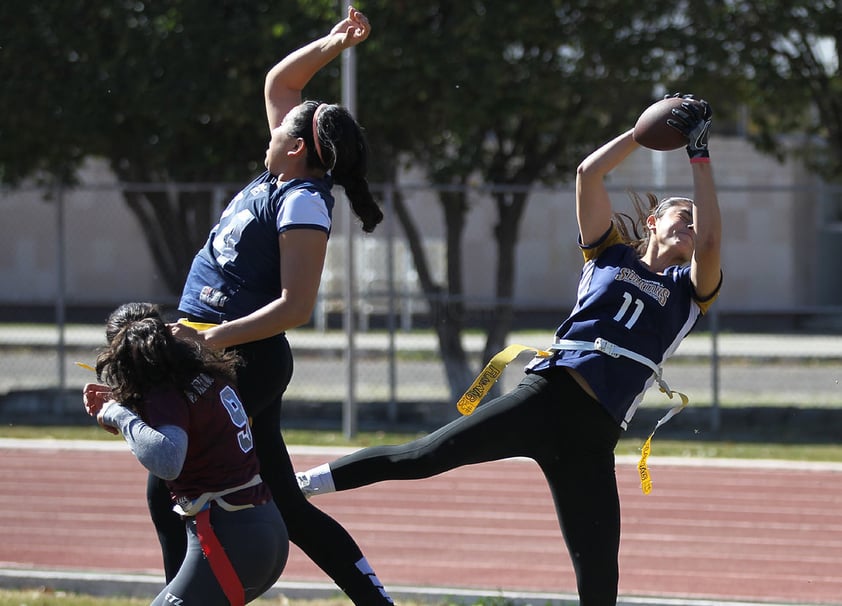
<point>261,383</point>
<point>549,419</point>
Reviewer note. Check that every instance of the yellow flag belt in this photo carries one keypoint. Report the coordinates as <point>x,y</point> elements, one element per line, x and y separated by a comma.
<point>494,369</point>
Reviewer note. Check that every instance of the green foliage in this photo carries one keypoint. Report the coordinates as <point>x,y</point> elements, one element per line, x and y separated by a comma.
<point>785,56</point>
<point>516,96</point>
<point>172,91</point>
<point>165,92</point>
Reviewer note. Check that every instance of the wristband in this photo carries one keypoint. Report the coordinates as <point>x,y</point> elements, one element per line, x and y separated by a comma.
<point>700,160</point>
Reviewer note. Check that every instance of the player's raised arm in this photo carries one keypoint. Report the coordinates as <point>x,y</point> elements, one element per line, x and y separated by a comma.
<point>593,205</point>
<point>288,77</point>
<point>693,119</point>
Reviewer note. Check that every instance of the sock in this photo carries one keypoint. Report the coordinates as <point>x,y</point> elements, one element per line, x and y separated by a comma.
<point>318,480</point>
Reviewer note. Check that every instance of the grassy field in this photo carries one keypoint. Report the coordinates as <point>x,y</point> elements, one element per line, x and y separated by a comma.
<point>46,597</point>
<point>42,597</point>
<point>661,446</point>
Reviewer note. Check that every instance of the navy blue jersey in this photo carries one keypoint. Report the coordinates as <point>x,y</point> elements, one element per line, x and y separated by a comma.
<point>238,270</point>
<point>622,301</point>
<point>220,449</point>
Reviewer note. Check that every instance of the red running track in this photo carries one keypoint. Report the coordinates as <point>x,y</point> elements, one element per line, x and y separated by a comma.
<point>710,530</point>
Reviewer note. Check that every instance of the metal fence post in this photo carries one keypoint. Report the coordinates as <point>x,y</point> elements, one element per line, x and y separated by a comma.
<point>349,405</point>
<point>61,296</point>
<point>716,413</point>
<point>388,203</point>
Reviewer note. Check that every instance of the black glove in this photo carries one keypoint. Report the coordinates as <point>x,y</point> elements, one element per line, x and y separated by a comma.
<point>692,119</point>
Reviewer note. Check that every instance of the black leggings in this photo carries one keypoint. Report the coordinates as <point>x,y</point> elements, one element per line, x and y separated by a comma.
<point>262,381</point>
<point>549,419</point>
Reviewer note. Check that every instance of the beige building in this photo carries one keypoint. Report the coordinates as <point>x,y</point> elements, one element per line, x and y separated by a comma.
<point>782,242</point>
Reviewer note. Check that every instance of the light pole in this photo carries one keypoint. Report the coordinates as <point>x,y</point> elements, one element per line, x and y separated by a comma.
<point>349,404</point>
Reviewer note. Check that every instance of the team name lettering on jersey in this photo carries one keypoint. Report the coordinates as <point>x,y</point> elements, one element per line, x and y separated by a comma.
<point>259,189</point>
<point>200,385</point>
<point>653,289</point>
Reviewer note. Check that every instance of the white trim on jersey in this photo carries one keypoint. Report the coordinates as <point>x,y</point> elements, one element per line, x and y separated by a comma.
<point>303,207</point>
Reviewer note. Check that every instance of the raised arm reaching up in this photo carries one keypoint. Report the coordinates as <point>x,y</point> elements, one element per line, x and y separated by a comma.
<point>290,75</point>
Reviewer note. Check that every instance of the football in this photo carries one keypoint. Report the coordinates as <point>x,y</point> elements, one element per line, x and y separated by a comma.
<point>651,129</point>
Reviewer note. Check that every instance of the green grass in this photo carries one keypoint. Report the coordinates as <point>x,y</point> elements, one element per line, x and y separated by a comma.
<point>47,597</point>
<point>628,446</point>
<point>735,450</point>
<point>310,438</point>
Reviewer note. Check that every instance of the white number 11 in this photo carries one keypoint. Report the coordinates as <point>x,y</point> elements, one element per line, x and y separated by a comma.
<point>624,308</point>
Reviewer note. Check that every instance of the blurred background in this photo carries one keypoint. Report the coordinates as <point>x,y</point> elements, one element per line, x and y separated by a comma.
<point>127,126</point>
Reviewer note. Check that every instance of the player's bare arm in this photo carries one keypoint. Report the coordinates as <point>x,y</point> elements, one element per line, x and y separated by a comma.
<point>593,205</point>
<point>288,77</point>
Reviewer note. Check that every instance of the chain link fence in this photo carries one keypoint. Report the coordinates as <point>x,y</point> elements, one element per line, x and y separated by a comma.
<point>371,350</point>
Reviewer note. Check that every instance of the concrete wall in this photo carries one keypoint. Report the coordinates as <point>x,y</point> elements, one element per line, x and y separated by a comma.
<point>770,265</point>
<point>770,229</point>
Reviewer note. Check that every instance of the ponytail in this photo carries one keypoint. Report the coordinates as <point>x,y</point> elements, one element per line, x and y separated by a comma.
<point>362,202</point>
<point>339,146</point>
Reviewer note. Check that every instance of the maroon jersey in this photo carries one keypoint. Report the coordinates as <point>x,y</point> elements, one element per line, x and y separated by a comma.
<point>220,452</point>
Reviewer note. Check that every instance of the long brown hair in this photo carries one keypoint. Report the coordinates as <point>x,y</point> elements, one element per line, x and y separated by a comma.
<point>142,354</point>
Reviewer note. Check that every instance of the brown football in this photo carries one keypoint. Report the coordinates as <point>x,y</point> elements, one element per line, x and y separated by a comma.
<point>651,129</point>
